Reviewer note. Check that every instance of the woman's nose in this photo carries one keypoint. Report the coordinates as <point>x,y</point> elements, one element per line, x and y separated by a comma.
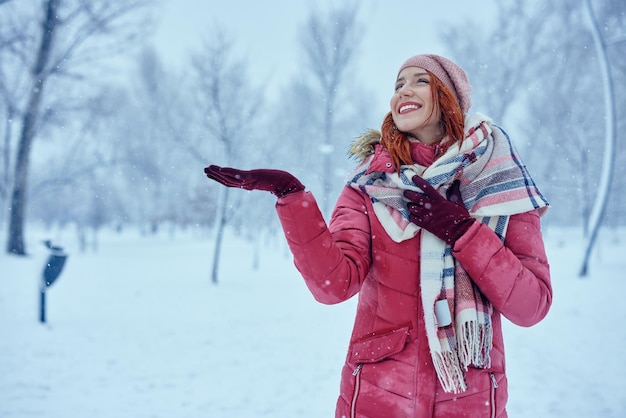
<point>404,91</point>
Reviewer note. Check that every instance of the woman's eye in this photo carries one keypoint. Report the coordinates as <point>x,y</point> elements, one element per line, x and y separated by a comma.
<point>423,80</point>
<point>399,86</point>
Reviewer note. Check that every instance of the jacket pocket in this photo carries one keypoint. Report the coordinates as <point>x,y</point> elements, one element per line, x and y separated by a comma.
<point>378,346</point>
<point>373,348</point>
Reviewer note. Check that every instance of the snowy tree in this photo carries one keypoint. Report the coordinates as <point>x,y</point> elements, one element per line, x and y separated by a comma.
<point>571,107</point>
<point>160,108</point>
<point>556,124</point>
<point>608,163</point>
<point>330,42</point>
<point>78,187</point>
<point>228,106</point>
<point>67,39</point>
<point>499,54</point>
<point>13,44</point>
<point>537,69</point>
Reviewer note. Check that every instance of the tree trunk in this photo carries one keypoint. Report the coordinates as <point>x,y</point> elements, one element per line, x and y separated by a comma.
<point>220,226</point>
<point>15,244</point>
<point>609,141</point>
<point>6,166</point>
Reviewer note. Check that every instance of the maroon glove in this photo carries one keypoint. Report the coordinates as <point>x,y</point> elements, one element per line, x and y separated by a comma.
<point>278,182</point>
<point>446,219</point>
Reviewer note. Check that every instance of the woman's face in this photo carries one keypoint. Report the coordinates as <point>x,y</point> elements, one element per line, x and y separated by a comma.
<point>412,107</point>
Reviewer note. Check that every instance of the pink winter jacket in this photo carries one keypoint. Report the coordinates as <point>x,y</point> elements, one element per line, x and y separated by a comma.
<point>388,370</point>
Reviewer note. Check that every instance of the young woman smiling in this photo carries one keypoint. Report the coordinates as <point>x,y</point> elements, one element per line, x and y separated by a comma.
<point>438,232</point>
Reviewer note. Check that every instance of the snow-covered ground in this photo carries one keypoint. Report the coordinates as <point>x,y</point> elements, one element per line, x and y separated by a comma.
<point>137,330</point>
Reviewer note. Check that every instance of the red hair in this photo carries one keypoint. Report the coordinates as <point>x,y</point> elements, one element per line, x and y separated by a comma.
<point>451,122</point>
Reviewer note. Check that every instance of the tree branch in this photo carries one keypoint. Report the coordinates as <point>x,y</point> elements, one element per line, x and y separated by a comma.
<point>615,40</point>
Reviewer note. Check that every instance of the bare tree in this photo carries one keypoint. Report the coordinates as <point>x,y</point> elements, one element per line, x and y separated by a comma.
<point>530,59</point>
<point>498,56</point>
<point>72,36</point>
<point>15,243</point>
<point>329,43</point>
<point>159,107</point>
<point>229,106</point>
<point>555,124</point>
<point>597,212</point>
<point>583,171</point>
<point>13,45</point>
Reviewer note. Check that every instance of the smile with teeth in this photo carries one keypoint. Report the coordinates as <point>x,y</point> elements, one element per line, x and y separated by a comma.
<point>408,107</point>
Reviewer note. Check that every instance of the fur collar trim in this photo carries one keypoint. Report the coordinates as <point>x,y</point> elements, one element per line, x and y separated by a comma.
<point>364,146</point>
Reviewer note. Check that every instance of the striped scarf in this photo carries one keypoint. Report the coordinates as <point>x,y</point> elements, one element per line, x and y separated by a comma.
<point>494,185</point>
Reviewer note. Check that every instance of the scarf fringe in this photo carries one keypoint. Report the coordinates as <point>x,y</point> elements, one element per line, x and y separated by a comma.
<point>449,372</point>
<point>475,341</point>
<point>474,344</point>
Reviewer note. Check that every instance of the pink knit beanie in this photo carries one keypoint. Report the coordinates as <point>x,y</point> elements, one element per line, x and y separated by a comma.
<point>448,72</point>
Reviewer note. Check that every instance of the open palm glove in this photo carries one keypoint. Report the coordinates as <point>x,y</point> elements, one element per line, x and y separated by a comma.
<point>446,218</point>
<point>278,182</point>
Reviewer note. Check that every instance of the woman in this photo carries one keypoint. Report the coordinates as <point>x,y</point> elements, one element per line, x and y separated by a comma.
<point>438,232</point>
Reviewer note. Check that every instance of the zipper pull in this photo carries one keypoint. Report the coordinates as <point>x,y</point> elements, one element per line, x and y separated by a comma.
<point>494,382</point>
<point>358,369</point>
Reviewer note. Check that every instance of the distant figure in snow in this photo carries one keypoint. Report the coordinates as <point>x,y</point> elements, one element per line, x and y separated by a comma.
<point>438,232</point>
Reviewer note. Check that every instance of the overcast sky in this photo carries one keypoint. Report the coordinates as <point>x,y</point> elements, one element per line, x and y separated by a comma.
<point>266,31</point>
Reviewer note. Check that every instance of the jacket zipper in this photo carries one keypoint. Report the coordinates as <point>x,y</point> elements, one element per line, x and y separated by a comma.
<point>494,386</point>
<point>357,383</point>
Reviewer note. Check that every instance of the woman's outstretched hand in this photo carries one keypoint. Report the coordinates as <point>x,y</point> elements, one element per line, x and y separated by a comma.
<point>277,182</point>
<point>445,218</point>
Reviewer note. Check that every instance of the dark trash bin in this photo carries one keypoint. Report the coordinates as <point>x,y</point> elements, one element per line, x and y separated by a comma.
<point>51,272</point>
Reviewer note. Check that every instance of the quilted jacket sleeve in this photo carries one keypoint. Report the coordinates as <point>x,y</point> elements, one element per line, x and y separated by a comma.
<point>333,260</point>
<point>514,276</point>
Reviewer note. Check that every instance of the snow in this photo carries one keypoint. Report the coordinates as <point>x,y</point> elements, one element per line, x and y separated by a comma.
<point>137,329</point>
